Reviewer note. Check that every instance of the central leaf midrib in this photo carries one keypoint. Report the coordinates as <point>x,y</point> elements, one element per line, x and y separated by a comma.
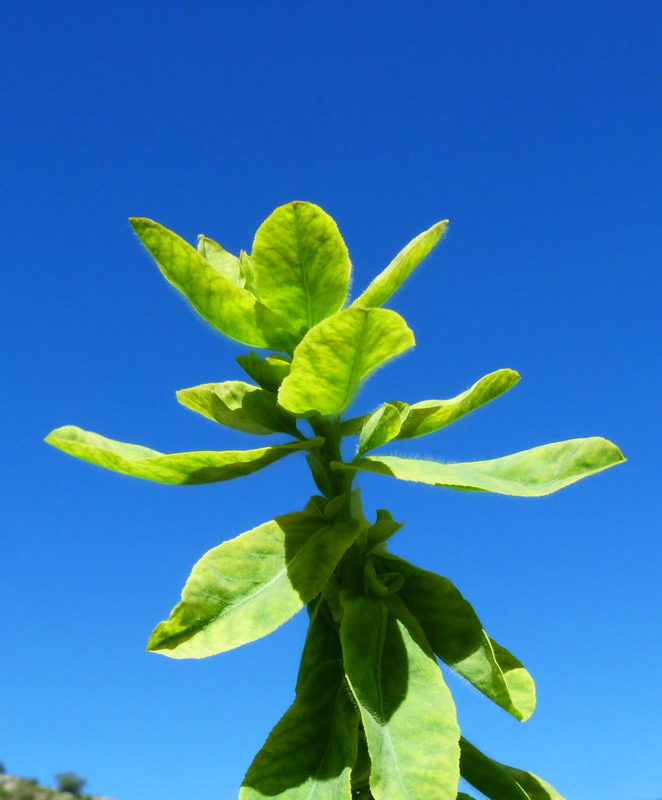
<point>304,276</point>
<point>354,380</point>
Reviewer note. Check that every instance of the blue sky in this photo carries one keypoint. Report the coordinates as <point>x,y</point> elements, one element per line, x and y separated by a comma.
<point>535,128</point>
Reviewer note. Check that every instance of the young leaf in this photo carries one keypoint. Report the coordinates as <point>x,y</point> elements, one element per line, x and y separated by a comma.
<point>247,272</point>
<point>301,264</point>
<point>407,711</point>
<point>390,279</point>
<point>431,415</point>
<point>229,308</point>
<point>223,402</point>
<point>269,372</point>
<point>500,782</point>
<point>335,356</point>
<point>248,586</point>
<point>456,635</point>
<point>384,527</point>
<point>310,753</point>
<point>380,427</point>
<point>530,473</point>
<point>221,260</point>
<point>202,466</point>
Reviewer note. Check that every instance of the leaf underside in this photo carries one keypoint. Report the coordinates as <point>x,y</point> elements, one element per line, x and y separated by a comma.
<point>202,466</point>
<point>530,473</point>
<point>250,585</point>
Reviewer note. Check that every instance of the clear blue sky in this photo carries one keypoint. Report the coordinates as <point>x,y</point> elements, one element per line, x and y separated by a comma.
<point>536,128</point>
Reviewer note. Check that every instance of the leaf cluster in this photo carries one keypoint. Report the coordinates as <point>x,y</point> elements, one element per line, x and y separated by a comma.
<point>372,715</point>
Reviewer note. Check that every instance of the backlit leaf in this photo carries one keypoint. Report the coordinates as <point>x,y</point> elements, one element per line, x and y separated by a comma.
<point>456,635</point>
<point>310,753</point>
<point>223,402</point>
<point>202,466</point>
<point>301,264</point>
<point>229,308</point>
<point>221,260</point>
<point>407,711</point>
<point>391,278</point>
<point>269,372</point>
<point>248,586</point>
<point>530,473</point>
<point>335,356</point>
<point>380,427</point>
<point>431,415</point>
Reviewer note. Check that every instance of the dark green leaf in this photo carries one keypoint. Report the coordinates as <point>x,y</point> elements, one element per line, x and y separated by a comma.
<point>310,753</point>
<point>407,711</point>
<point>499,782</point>
<point>456,635</point>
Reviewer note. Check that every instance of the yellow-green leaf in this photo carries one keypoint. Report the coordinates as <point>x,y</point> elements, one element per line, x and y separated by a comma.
<point>222,261</point>
<point>530,473</point>
<point>339,353</point>
<point>431,415</point>
<point>269,372</point>
<point>202,466</point>
<point>300,264</point>
<point>229,308</point>
<point>391,278</point>
<point>248,586</point>
<point>223,402</point>
<point>380,427</point>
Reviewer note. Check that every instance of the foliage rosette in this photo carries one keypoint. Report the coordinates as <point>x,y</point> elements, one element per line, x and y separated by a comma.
<point>372,716</point>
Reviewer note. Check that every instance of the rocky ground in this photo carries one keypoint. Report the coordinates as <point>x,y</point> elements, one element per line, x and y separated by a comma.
<point>14,788</point>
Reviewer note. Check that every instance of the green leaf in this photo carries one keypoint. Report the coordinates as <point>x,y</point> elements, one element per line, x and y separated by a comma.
<point>407,711</point>
<point>456,635</point>
<point>389,280</point>
<point>431,415</point>
<point>224,403</point>
<point>240,406</point>
<point>229,308</point>
<point>310,753</point>
<point>464,796</point>
<point>248,586</point>
<point>530,473</point>
<point>500,782</point>
<point>262,407</point>
<point>222,261</point>
<point>335,356</point>
<point>384,527</point>
<point>380,427</point>
<point>301,265</point>
<point>247,272</point>
<point>202,466</point>
<point>269,372</point>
